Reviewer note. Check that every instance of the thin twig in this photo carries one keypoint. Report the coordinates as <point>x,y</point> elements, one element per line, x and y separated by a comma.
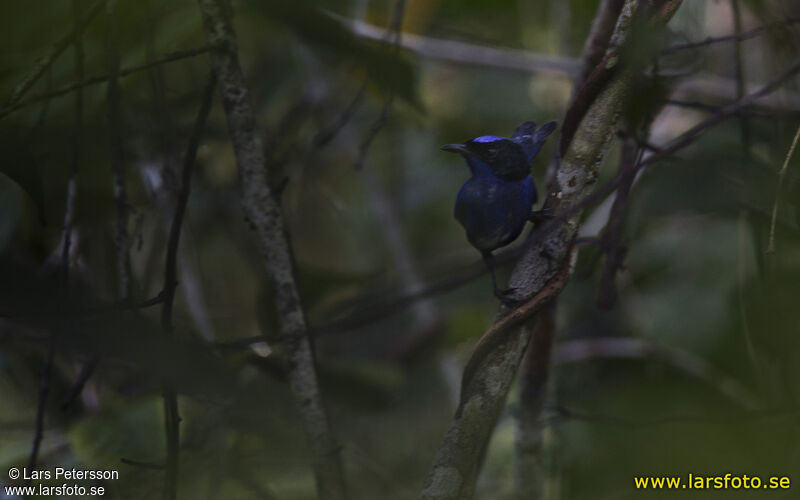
<point>89,367</point>
<point>765,114</point>
<point>781,175</point>
<point>143,465</point>
<point>121,239</point>
<point>87,370</point>
<point>72,186</point>
<point>72,182</point>
<point>373,131</point>
<point>724,113</point>
<point>44,389</point>
<point>573,351</point>
<point>394,36</point>
<point>164,130</point>
<point>376,306</point>
<point>46,61</point>
<point>744,131</point>
<point>610,241</point>
<point>324,137</point>
<point>40,120</point>
<point>745,35</point>
<point>561,413</point>
<point>170,269</point>
<point>740,77</point>
<point>168,58</point>
<point>172,417</point>
<point>693,105</point>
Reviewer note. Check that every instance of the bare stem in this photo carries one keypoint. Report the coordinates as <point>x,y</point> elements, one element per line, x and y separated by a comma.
<point>121,238</point>
<point>172,417</point>
<point>781,175</point>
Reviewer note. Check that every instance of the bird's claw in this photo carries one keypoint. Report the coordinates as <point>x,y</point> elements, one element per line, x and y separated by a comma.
<point>542,215</point>
<point>507,296</point>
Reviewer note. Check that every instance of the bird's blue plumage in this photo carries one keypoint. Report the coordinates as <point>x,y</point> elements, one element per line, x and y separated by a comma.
<point>532,139</point>
<point>493,211</point>
<point>488,138</point>
<point>497,200</point>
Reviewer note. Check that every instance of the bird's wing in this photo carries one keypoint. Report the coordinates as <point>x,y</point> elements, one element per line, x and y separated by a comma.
<point>526,129</point>
<point>532,139</point>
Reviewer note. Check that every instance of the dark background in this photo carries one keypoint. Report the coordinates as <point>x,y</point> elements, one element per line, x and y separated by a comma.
<point>703,377</point>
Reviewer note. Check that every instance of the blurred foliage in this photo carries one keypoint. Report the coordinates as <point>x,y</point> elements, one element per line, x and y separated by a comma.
<point>696,276</point>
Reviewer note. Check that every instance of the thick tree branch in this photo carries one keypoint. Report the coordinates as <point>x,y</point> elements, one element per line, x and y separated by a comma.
<point>264,214</point>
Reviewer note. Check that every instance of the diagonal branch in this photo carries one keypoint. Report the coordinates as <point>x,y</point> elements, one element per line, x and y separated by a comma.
<point>726,112</point>
<point>178,55</point>
<point>491,370</point>
<point>266,219</point>
<point>573,351</point>
<point>736,37</point>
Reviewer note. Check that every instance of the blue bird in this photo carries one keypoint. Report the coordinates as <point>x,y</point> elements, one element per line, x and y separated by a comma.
<point>497,200</point>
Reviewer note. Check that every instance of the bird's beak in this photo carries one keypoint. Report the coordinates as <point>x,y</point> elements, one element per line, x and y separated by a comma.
<point>455,148</point>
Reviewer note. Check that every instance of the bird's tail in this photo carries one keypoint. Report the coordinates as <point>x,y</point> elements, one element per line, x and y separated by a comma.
<point>532,139</point>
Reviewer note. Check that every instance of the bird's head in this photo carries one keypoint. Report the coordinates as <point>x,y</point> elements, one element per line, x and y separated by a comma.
<point>504,157</point>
